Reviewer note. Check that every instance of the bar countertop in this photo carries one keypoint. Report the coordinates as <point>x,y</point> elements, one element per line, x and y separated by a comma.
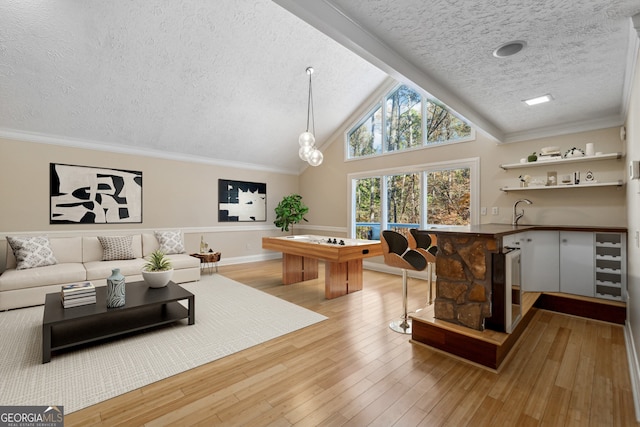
<point>499,230</point>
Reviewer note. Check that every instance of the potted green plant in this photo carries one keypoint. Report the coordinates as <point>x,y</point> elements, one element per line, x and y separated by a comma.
<point>157,271</point>
<point>290,211</point>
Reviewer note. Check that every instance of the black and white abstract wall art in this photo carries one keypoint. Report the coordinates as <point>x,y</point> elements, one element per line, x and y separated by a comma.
<point>91,195</point>
<point>240,201</point>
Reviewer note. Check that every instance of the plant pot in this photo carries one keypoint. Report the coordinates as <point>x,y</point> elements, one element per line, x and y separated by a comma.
<point>157,279</point>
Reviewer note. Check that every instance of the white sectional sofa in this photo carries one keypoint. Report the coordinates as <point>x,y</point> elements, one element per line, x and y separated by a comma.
<point>79,259</point>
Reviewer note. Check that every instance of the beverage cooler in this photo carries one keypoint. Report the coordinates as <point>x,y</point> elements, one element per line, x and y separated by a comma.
<point>505,293</point>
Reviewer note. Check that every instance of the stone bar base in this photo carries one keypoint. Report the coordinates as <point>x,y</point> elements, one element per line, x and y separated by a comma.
<point>463,287</point>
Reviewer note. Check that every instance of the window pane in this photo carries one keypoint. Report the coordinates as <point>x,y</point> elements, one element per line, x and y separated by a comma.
<point>442,125</point>
<point>404,119</point>
<point>448,197</point>
<point>367,208</point>
<point>366,139</point>
<point>403,202</point>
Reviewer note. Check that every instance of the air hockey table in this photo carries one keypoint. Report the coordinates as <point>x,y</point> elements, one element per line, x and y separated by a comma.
<point>342,259</point>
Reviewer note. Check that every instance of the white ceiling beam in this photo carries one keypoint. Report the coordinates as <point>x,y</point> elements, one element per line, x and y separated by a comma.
<point>331,21</point>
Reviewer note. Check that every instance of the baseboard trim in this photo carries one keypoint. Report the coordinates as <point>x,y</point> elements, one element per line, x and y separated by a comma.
<point>634,368</point>
<point>575,306</point>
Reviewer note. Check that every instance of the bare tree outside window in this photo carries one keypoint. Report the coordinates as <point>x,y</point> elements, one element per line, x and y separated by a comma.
<point>404,119</point>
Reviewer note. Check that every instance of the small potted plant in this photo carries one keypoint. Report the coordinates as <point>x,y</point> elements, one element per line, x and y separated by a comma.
<point>157,271</point>
<point>290,211</point>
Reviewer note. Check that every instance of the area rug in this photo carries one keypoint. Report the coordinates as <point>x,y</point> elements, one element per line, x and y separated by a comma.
<point>230,317</point>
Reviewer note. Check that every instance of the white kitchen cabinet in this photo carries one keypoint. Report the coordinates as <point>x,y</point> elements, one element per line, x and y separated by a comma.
<point>512,240</point>
<point>573,262</point>
<point>540,261</point>
<point>577,263</point>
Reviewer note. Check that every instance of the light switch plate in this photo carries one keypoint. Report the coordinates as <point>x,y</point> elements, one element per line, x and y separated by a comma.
<point>494,210</point>
<point>634,169</point>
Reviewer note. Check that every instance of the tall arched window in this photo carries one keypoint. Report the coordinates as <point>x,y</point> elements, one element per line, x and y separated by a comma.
<point>397,122</point>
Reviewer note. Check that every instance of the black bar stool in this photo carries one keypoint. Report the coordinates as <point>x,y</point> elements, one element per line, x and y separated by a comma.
<point>395,248</point>
<point>425,243</point>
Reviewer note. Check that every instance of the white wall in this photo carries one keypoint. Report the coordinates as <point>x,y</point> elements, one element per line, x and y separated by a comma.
<point>633,244</point>
<point>324,188</point>
<point>176,194</point>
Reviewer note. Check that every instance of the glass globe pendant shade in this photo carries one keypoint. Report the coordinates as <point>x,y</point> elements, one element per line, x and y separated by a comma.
<point>315,158</point>
<point>304,152</point>
<point>306,139</point>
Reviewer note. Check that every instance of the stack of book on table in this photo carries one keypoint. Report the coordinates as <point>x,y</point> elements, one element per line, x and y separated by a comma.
<point>78,294</point>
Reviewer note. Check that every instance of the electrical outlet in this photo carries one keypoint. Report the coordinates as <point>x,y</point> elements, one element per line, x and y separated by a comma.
<point>494,210</point>
<point>483,210</point>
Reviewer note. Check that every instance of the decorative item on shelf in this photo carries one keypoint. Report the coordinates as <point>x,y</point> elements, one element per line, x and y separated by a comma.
<point>576,178</point>
<point>573,152</point>
<point>308,151</point>
<point>532,157</point>
<point>590,149</point>
<point>524,180</point>
<point>116,289</point>
<point>552,178</point>
<point>566,179</point>
<point>589,177</point>
<point>157,271</point>
<point>549,153</point>
<point>290,211</point>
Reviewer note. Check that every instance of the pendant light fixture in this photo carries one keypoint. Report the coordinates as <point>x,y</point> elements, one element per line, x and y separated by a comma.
<point>308,151</point>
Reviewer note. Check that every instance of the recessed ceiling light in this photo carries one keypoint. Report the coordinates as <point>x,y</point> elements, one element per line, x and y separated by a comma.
<point>509,48</point>
<point>538,100</point>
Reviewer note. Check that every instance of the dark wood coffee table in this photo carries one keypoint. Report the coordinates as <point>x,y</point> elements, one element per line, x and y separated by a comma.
<point>144,308</point>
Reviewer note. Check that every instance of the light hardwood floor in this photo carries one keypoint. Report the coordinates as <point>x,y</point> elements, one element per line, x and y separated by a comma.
<point>353,370</point>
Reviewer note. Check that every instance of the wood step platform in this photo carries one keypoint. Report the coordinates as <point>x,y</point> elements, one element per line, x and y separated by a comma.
<point>490,348</point>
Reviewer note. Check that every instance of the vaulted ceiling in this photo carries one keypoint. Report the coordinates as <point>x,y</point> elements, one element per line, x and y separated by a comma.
<point>224,81</point>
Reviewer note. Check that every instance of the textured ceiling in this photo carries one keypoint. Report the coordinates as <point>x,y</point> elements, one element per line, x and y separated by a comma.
<point>225,80</point>
<point>579,51</point>
<point>217,79</point>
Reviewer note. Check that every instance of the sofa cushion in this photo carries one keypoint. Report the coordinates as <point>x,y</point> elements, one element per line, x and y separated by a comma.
<point>171,242</point>
<point>181,261</point>
<point>102,269</point>
<point>92,248</point>
<point>31,252</point>
<point>66,249</point>
<point>116,248</point>
<point>42,276</point>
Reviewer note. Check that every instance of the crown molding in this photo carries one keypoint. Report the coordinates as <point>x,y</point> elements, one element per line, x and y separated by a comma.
<point>564,129</point>
<point>134,151</point>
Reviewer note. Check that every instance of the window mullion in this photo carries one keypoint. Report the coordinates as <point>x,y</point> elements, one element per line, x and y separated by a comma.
<point>383,203</point>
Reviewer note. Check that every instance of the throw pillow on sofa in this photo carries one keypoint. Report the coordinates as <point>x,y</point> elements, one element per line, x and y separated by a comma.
<point>115,248</point>
<point>31,252</point>
<point>171,242</point>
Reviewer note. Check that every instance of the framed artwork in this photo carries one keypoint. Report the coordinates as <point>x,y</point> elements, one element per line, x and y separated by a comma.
<point>90,195</point>
<point>240,201</point>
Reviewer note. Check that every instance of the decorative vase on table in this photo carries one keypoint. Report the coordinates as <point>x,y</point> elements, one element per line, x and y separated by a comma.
<point>115,289</point>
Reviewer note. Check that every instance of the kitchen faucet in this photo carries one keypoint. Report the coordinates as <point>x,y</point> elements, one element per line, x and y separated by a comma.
<point>517,215</point>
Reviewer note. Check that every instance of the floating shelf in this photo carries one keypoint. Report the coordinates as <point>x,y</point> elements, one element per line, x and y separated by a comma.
<point>607,156</point>
<point>618,183</point>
